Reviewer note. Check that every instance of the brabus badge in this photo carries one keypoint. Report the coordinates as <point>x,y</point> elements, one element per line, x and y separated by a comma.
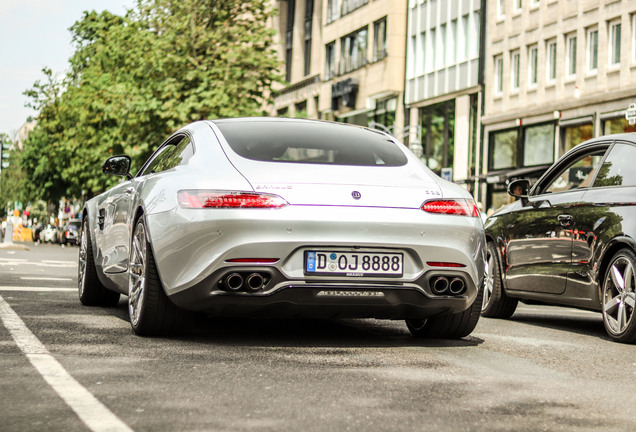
<point>356,195</point>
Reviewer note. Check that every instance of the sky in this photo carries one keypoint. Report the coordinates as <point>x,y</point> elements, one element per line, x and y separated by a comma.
<point>35,34</point>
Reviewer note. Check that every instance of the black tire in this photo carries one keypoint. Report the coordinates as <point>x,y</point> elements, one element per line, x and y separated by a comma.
<point>90,290</point>
<point>495,303</point>
<point>451,326</point>
<point>150,310</point>
<point>618,297</point>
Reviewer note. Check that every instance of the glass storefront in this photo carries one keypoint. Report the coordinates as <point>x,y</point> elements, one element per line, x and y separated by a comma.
<point>575,135</point>
<point>384,114</point>
<point>437,123</point>
<point>538,144</point>
<point>617,125</point>
<point>503,149</point>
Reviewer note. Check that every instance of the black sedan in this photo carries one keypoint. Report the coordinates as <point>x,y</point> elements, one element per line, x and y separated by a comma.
<point>569,240</point>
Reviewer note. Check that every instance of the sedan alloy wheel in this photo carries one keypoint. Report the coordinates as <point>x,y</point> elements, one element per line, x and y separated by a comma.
<point>619,297</point>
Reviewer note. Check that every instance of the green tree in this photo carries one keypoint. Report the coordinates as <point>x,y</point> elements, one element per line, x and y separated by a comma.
<point>135,79</point>
<point>12,179</point>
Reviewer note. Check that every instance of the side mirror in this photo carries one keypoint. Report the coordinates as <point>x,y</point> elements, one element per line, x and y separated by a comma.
<point>519,189</point>
<point>118,165</point>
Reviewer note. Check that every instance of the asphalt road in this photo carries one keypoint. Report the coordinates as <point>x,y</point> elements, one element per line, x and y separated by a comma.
<point>66,367</point>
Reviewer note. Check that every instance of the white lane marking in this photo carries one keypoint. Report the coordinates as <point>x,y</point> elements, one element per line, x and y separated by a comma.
<point>59,262</point>
<point>34,289</point>
<point>44,278</point>
<point>92,412</point>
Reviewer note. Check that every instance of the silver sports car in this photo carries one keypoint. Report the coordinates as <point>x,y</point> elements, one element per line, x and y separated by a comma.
<point>283,218</point>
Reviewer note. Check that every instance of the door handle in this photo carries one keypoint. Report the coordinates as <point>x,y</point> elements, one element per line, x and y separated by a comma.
<point>129,190</point>
<point>565,220</point>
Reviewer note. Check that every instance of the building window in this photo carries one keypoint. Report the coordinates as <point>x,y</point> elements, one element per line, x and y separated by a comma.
<point>464,39</point>
<point>570,64</point>
<point>309,16</point>
<point>515,63</point>
<point>615,44</point>
<point>452,43</point>
<point>501,9</point>
<point>289,39</point>
<point>517,6</point>
<point>538,144</point>
<point>332,10</point>
<point>330,66</point>
<point>348,6</point>
<point>592,50</point>
<point>353,51</point>
<point>438,126</point>
<point>535,3</point>
<point>384,114</point>
<point>617,125</point>
<point>474,38</point>
<point>440,51</point>
<point>503,149</point>
<point>533,65</point>
<point>634,39</point>
<point>498,75</point>
<point>430,49</point>
<point>379,40</point>
<point>575,135</point>
<point>551,61</point>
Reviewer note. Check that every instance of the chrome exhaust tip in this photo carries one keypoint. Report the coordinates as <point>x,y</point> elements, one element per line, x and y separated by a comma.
<point>440,285</point>
<point>233,282</point>
<point>457,286</point>
<point>254,282</point>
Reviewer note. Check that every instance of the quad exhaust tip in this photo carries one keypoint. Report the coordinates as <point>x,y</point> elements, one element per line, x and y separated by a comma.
<point>443,285</point>
<point>246,281</point>
<point>233,282</point>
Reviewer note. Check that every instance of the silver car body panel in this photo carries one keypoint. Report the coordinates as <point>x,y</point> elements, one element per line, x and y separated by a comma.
<point>191,246</point>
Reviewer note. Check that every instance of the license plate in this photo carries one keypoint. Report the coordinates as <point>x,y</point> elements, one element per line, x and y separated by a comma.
<point>355,264</point>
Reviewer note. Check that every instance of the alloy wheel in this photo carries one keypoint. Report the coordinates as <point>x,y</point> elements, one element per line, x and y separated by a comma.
<point>137,274</point>
<point>81,268</point>
<point>489,280</point>
<point>619,298</point>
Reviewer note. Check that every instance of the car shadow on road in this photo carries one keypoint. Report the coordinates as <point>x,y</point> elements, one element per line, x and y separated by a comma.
<point>588,324</point>
<point>298,332</point>
<point>316,333</point>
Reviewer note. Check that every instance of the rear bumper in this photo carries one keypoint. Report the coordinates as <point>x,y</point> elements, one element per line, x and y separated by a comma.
<point>326,299</point>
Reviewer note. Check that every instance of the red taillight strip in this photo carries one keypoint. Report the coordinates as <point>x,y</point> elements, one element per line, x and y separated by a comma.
<point>443,264</point>
<point>253,260</point>
<point>460,207</point>
<point>224,199</point>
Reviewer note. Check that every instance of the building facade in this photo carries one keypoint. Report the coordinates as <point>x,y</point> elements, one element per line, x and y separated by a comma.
<point>344,61</point>
<point>442,90</point>
<point>298,37</point>
<point>558,73</point>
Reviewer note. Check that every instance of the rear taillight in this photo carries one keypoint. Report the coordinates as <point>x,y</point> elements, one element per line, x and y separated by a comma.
<point>224,199</point>
<point>460,207</point>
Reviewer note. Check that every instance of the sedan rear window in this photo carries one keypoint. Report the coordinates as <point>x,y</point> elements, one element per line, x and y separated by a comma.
<point>311,142</point>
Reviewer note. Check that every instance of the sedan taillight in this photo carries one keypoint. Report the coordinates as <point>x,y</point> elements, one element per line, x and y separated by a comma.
<point>460,207</point>
<point>224,199</point>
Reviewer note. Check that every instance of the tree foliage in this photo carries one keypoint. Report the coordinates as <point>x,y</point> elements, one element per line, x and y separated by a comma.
<point>135,79</point>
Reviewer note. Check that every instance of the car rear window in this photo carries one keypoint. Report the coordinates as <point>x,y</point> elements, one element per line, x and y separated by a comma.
<point>311,142</point>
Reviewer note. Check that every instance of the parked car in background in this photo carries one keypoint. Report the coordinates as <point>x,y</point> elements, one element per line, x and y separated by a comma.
<point>68,233</point>
<point>284,217</point>
<point>570,240</point>
<point>49,234</point>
